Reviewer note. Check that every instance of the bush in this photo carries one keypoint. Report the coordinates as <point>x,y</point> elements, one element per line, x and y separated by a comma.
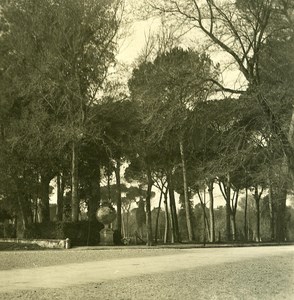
<point>80,233</point>
<point>7,231</point>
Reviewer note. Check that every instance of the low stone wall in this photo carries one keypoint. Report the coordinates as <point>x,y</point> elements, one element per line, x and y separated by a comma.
<point>58,244</point>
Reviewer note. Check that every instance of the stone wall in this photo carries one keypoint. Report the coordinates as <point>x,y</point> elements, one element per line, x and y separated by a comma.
<point>57,244</point>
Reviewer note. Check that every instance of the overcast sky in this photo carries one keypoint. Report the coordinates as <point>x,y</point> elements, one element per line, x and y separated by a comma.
<point>137,30</point>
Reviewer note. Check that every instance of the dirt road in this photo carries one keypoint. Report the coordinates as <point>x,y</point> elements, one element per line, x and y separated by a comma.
<point>61,276</point>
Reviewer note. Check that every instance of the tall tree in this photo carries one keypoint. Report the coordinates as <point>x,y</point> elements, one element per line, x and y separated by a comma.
<point>167,89</point>
<point>66,65</point>
<point>244,31</point>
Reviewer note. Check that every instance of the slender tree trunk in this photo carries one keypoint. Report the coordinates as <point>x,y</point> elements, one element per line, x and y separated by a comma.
<point>211,212</point>
<point>36,203</point>
<point>118,201</point>
<point>187,202</point>
<point>127,226</point>
<point>290,152</point>
<point>176,230</point>
<point>94,199</point>
<point>206,232</point>
<point>291,129</point>
<point>74,185</point>
<point>30,215</point>
<point>245,216</point>
<point>280,217</point>
<point>60,191</point>
<point>228,209</point>
<point>208,228</point>
<point>45,209</point>
<point>233,225</point>
<point>205,219</point>
<point>22,207</point>
<point>123,226</point>
<point>174,219</point>
<point>148,208</point>
<point>166,227</point>
<point>257,204</point>
<point>157,217</point>
<point>258,219</point>
<point>172,222</point>
<point>207,225</point>
<point>271,211</point>
<point>233,214</point>
<point>108,183</point>
<point>36,206</point>
<point>22,212</point>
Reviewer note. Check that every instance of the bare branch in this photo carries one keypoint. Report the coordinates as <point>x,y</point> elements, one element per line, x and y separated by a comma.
<point>224,89</point>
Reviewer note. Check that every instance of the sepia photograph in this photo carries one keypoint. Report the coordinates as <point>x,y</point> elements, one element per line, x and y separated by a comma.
<point>147,149</point>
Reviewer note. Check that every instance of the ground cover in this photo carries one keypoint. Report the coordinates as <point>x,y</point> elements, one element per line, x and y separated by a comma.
<point>8,246</point>
<point>258,278</point>
<point>18,259</point>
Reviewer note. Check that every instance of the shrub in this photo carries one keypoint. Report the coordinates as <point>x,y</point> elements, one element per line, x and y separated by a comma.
<point>7,231</point>
<point>80,233</point>
<point>83,232</point>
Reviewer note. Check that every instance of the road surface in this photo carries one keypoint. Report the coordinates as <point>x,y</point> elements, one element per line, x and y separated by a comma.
<point>62,276</point>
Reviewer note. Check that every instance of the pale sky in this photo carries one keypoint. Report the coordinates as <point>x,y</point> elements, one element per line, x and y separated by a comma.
<point>136,32</point>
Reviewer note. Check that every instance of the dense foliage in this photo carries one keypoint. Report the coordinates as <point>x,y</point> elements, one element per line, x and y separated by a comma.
<point>180,130</point>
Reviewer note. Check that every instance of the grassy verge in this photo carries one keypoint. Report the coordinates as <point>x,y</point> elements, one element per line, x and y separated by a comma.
<point>5,246</point>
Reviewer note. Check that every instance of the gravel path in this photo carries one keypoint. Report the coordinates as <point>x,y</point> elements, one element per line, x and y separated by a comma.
<point>267,274</point>
<point>33,259</point>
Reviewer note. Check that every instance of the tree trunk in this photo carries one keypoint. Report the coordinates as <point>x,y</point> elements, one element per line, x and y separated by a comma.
<point>172,222</point>
<point>23,215</point>
<point>127,225</point>
<point>233,214</point>
<point>123,226</point>
<point>172,201</point>
<point>291,129</point>
<point>207,226</point>
<point>166,227</point>
<point>148,208</point>
<point>228,209</point>
<point>245,216</point>
<point>271,211</point>
<point>258,219</point>
<point>205,219</point>
<point>187,202</point>
<point>74,185</point>
<point>211,212</point>
<point>280,215</point>
<point>288,147</point>
<point>118,200</point>
<point>22,207</point>
<point>94,199</point>
<point>257,204</point>
<point>36,209</point>
<point>60,191</point>
<point>157,217</point>
<point>44,205</point>
<point>233,224</point>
